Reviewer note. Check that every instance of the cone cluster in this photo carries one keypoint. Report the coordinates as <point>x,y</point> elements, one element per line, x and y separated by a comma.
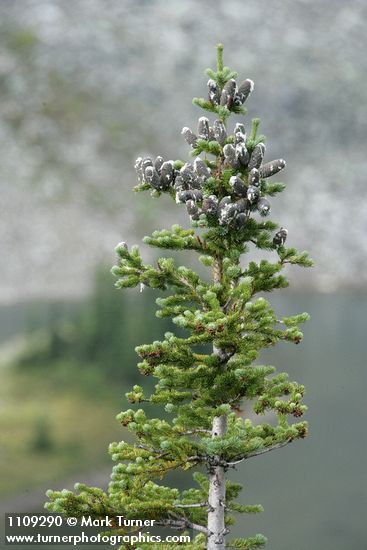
<point>189,183</point>
<point>231,95</point>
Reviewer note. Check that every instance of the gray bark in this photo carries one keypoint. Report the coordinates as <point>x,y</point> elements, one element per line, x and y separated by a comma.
<point>217,495</point>
<point>217,477</point>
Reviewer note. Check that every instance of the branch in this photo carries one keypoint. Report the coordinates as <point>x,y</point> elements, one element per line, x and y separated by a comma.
<point>215,461</point>
<point>194,432</point>
<point>259,452</point>
<point>198,505</point>
<point>182,524</point>
<point>159,452</point>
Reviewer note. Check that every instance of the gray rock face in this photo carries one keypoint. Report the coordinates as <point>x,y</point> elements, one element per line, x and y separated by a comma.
<point>87,86</point>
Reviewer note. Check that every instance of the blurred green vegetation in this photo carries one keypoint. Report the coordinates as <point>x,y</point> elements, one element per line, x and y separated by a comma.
<point>61,391</point>
<point>97,341</point>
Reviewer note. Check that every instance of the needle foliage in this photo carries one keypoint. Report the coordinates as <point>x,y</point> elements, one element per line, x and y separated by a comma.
<point>209,368</point>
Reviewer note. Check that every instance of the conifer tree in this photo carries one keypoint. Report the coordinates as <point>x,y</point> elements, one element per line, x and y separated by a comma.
<point>225,191</point>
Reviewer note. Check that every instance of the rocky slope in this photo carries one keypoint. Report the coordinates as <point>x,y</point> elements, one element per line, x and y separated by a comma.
<point>87,86</point>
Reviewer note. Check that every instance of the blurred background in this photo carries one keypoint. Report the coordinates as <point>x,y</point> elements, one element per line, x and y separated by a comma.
<point>86,87</point>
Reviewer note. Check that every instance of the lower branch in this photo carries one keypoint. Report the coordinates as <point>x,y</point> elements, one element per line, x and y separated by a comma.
<point>239,459</point>
<point>182,524</point>
<point>195,505</point>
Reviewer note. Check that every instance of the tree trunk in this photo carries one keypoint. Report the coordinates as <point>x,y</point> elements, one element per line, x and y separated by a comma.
<point>217,495</point>
<point>217,478</point>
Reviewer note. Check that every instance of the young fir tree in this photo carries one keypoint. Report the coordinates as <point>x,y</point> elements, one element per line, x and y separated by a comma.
<point>224,191</point>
